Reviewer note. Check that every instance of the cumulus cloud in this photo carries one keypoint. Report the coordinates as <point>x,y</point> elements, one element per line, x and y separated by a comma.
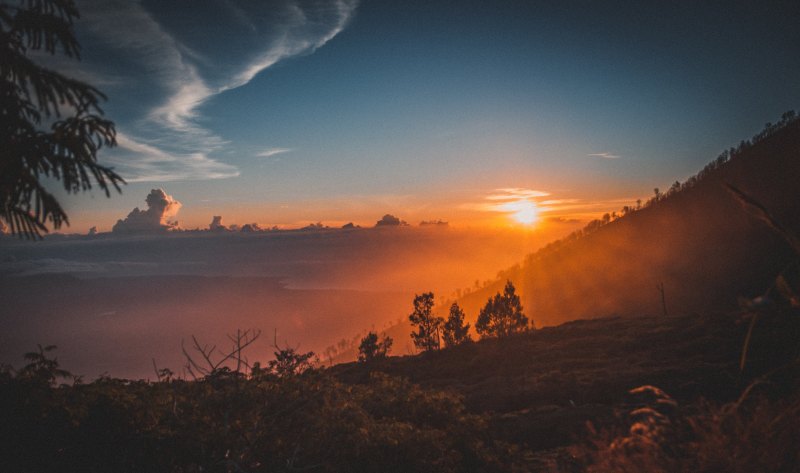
<point>160,208</point>
<point>389,220</point>
<point>315,226</point>
<point>216,224</point>
<point>604,155</point>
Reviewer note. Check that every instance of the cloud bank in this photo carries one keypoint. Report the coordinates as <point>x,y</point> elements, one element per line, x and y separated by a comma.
<point>163,61</point>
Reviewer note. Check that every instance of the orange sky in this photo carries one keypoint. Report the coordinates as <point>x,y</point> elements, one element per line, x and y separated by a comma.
<point>493,208</point>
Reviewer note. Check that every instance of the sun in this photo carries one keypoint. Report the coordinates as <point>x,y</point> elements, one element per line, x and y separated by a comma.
<point>525,212</point>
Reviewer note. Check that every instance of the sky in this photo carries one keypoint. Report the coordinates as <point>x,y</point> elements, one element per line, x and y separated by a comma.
<point>291,112</point>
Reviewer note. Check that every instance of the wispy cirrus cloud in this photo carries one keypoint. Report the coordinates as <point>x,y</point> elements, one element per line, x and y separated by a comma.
<point>515,193</point>
<point>143,162</point>
<point>505,199</point>
<point>604,155</point>
<point>269,152</point>
<point>167,64</point>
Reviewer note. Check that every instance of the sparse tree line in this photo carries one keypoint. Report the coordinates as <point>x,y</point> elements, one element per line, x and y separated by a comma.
<point>500,317</point>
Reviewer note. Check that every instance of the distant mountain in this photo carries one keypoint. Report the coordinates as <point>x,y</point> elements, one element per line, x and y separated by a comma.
<point>696,239</point>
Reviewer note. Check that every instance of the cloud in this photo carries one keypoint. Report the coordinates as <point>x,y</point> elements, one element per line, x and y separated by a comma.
<point>269,152</point>
<point>555,202</point>
<point>604,155</point>
<point>389,220</point>
<point>166,60</point>
<point>143,162</point>
<point>216,224</point>
<point>507,199</point>
<point>160,207</point>
<point>515,193</point>
<point>563,220</point>
<point>250,228</point>
<point>433,223</point>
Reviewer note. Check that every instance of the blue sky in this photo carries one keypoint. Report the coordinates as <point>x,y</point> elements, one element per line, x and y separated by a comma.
<point>290,112</point>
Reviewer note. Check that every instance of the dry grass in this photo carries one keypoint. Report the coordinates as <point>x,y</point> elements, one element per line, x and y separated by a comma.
<point>757,433</point>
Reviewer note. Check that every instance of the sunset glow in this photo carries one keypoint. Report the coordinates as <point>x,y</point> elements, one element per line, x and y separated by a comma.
<point>528,212</point>
<point>354,235</point>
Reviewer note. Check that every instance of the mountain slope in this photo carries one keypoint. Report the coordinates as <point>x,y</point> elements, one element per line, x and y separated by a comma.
<point>698,241</point>
<point>542,387</point>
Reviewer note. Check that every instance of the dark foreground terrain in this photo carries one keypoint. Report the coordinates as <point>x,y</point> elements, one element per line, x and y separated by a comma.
<point>541,389</point>
<point>556,399</point>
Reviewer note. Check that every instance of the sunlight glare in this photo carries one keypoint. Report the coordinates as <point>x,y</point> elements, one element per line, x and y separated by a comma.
<point>524,212</point>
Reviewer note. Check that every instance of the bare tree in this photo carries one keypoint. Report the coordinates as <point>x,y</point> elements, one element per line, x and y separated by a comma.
<point>211,359</point>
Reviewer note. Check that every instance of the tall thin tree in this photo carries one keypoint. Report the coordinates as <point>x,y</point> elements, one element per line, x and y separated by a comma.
<point>455,331</point>
<point>427,336</point>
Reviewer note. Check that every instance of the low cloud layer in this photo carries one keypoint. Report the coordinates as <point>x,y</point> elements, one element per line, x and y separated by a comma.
<point>155,219</point>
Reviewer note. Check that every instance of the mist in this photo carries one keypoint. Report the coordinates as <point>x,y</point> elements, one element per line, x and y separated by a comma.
<point>113,304</point>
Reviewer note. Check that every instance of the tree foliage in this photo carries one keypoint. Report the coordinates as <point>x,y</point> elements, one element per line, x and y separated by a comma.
<point>371,349</point>
<point>454,331</point>
<point>427,336</point>
<point>502,315</point>
<point>51,126</point>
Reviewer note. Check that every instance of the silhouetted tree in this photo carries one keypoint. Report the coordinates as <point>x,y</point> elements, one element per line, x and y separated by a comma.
<point>289,362</point>
<point>208,359</point>
<point>51,126</point>
<point>41,368</point>
<point>502,315</point>
<point>427,335</point>
<point>455,332</point>
<point>371,349</point>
